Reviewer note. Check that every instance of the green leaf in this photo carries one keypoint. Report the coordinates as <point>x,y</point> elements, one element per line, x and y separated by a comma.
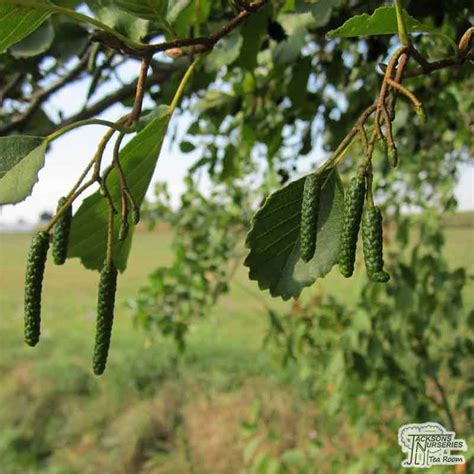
<point>17,23</point>
<point>88,239</point>
<point>14,148</point>
<point>382,22</point>
<point>121,21</point>
<point>253,32</point>
<point>320,9</point>
<point>274,240</point>
<point>21,157</point>
<point>187,147</point>
<point>185,13</point>
<point>70,38</point>
<point>175,7</point>
<point>225,52</point>
<point>147,9</point>
<point>296,26</point>
<point>35,43</point>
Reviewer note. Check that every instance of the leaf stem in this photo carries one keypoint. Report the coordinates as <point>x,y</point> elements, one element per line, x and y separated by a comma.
<point>182,85</point>
<point>113,125</point>
<point>402,27</point>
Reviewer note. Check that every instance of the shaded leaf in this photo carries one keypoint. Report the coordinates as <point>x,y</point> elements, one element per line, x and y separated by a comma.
<point>37,42</point>
<point>321,10</point>
<point>147,9</point>
<point>382,22</point>
<point>296,26</point>
<point>17,23</point>
<point>70,38</point>
<point>121,21</point>
<point>14,148</point>
<point>187,147</point>
<point>274,240</point>
<point>225,52</point>
<point>253,32</point>
<point>175,7</point>
<point>88,239</point>
<point>20,160</point>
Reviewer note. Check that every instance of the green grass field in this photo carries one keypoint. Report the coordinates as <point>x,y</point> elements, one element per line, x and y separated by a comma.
<point>152,411</point>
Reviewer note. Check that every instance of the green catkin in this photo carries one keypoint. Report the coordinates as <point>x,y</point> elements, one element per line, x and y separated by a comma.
<point>372,237</point>
<point>105,317</point>
<point>33,286</point>
<point>353,206</point>
<point>123,231</point>
<point>135,215</point>
<point>61,232</point>
<point>391,153</point>
<point>309,216</point>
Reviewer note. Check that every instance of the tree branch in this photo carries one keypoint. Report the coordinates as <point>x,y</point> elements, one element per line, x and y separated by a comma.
<point>199,44</point>
<point>19,122</point>
<point>445,402</point>
<point>140,93</point>
<point>428,67</point>
<point>160,75</point>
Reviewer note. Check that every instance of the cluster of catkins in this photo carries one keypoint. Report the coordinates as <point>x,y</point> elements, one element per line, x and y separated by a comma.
<point>34,281</point>
<point>372,230</point>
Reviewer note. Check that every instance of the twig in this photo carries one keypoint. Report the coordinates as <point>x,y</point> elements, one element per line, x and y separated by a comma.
<point>14,81</point>
<point>416,103</point>
<point>419,58</point>
<point>140,92</point>
<point>123,188</point>
<point>441,64</point>
<point>119,42</point>
<point>384,89</point>
<point>110,237</point>
<point>346,142</point>
<point>18,122</point>
<point>78,189</point>
<point>398,78</point>
<point>206,43</point>
<point>445,403</point>
<point>118,96</point>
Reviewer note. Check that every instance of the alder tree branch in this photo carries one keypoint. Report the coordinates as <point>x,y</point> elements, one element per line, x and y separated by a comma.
<point>19,121</point>
<point>384,106</point>
<point>129,90</point>
<point>200,44</point>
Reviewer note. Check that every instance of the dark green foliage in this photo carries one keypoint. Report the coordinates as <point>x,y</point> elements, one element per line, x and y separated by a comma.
<point>33,286</point>
<point>372,237</point>
<point>105,317</point>
<point>61,232</point>
<point>353,205</point>
<point>309,216</point>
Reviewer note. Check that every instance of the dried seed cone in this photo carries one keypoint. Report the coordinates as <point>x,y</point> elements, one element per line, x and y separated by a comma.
<point>105,317</point>
<point>372,237</point>
<point>353,206</point>
<point>33,286</point>
<point>309,216</point>
<point>61,233</point>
